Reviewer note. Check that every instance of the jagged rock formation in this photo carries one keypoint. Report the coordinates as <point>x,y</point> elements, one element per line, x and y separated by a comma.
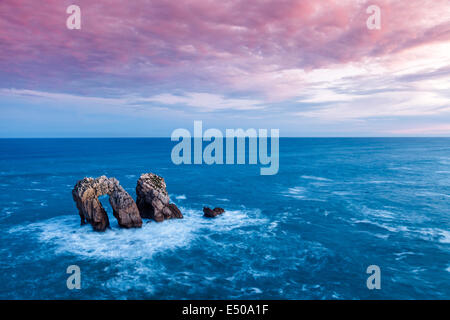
<point>153,200</point>
<point>207,212</point>
<point>124,208</point>
<point>86,193</point>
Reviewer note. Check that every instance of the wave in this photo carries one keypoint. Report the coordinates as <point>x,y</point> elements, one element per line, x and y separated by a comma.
<point>7,212</point>
<point>295,192</point>
<point>316,178</point>
<point>427,234</point>
<point>431,194</point>
<point>68,237</point>
<point>399,183</point>
<point>344,193</point>
<point>380,213</point>
<point>434,234</point>
<point>404,255</point>
<point>377,224</point>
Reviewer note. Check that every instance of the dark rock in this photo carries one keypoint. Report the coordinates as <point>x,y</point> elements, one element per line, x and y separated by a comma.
<point>153,200</point>
<point>207,212</point>
<point>86,193</point>
<point>124,208</point>
<point>175,212</point>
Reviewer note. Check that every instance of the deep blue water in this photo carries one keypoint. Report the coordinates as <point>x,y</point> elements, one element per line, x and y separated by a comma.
<point>335,207</point>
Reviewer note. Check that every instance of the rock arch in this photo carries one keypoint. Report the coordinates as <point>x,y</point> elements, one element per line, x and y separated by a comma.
<point>86,193</point>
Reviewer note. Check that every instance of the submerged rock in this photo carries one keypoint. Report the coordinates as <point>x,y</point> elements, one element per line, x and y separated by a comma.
<point>86,193</point>
<point>153,200</point>
<point>207,212</point>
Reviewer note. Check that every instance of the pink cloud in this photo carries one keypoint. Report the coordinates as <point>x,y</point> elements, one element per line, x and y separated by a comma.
<point>149,45</point>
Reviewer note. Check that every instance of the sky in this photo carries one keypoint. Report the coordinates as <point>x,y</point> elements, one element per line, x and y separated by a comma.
<point>144,68</point>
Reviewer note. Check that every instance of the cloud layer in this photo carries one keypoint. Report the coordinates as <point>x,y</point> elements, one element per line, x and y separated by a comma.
<point>285,61</point>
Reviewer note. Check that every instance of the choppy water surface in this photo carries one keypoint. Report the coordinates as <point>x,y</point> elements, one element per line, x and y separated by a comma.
<point>335,207</point>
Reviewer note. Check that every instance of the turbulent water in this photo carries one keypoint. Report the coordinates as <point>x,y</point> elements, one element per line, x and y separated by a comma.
<point>310,232</point>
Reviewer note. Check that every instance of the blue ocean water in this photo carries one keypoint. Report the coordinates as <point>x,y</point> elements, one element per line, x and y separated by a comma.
<point>335,207</point>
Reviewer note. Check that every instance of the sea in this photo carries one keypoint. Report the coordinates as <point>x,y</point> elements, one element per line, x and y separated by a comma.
<point>336,207</point>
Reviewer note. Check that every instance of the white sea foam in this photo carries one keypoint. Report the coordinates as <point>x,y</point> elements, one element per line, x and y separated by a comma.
<point>428,234</point>
<point>296,197</point>
<point>299,193</point>
<point>181,197</point>
<point>432,194</point>
<point>400,183</point>
<point>403,255</point>
<point>272,226</point>
<point>137,269</point>
<point>402,168</point>
<point>316,178</point>
<point>318,184</point>
<point>7,211</point>
<point>343,193</point>
<point>296,191</point>
<point>253,290</point>
<point>67,237</point>
<point>434,234</point>
<point>65,233</point>
<point>385,214</point>
<point>380,181</point>
<point>380,225</point>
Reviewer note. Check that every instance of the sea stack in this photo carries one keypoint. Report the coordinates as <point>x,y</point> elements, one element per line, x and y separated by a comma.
<point>208,213</point>
<point>124,208</point>
<point>86,193</point>
<point>153,200</point>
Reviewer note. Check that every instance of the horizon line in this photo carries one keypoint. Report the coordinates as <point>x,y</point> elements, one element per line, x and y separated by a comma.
<point>284,137</point>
